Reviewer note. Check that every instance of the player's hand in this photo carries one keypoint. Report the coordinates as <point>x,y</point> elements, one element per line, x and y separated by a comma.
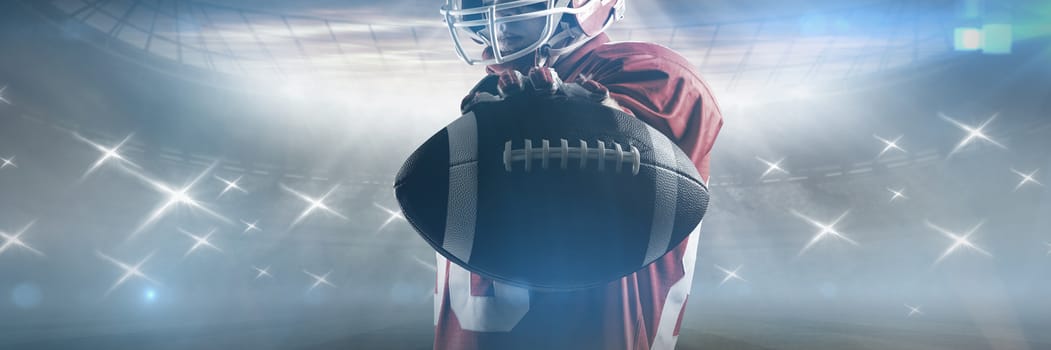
<point>541,81</point>
<point>545,81</point>
<point>484,91</point>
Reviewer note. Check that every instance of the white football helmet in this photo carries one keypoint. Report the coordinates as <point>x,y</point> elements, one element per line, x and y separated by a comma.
<point>567,24</point>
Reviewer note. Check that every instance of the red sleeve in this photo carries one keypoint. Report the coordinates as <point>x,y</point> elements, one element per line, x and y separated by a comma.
<point>660,87</point>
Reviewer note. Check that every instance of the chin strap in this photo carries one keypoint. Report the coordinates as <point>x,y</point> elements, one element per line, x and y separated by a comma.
<point>567,38</point>
<point>547,55</point>
<point>542,56</point>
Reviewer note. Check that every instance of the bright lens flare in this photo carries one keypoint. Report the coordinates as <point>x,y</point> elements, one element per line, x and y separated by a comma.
<point>2,98</point>
<point>179,196</point>
<point>730,274</point>
<point>250,226</point>
<point>200,241</point>
<point>826,230</point>
<point>260,272</point>
<point>897,194</point>
<point>108,153</point>
<point>973,132</point>
<point>319,280</point>
<point>393,215</point>
<point>314,204</point>
<point>913,310</point>
<point>8,162</point>
<point>15,240</point>
<point>889,145</point>
<point>1026,178</point>
<point>230,185</point>
<point>959,240</point>
<point>772,166</point>
<point>130,271</point>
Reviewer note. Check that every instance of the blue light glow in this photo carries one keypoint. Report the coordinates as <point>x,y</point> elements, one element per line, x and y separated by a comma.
<point>828,290</point>
<point>26,295</point>
<point>996,39</point>
<point>150,295</point>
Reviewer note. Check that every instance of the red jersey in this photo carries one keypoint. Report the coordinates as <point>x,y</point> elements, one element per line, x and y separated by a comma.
<point>637,312</point>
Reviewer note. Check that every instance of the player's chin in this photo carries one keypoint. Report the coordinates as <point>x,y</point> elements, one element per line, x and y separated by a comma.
<point>510,48</point>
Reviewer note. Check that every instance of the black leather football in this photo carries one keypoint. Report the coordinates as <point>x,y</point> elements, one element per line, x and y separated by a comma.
<point>551,192</point>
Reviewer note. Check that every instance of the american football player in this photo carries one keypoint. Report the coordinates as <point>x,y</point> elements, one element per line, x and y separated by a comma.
<point>550,42</point>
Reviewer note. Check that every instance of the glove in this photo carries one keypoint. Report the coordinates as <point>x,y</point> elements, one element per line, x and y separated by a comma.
<point>541,81</point>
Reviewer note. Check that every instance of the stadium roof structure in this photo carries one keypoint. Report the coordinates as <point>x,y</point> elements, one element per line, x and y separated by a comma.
<point>741,58</point>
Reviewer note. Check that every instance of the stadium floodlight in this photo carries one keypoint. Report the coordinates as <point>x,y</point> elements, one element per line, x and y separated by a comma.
<point>967,39</point>
<point>996,38</point>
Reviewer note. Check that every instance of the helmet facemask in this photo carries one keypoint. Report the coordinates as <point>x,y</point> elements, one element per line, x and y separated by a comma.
<point>506,31</point>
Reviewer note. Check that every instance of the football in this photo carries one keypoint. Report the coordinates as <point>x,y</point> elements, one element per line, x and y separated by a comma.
<point>550,192</point>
